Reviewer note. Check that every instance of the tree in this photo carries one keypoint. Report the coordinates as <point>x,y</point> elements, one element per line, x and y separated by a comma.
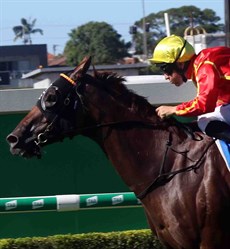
<point>97,39</point>
<point>180,19</point>
<point>25,30</point>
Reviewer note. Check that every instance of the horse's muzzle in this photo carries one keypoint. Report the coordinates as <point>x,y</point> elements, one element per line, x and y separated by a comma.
<point>28,149</point>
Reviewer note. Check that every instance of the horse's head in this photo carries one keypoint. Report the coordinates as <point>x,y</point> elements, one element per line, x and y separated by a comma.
<point>78,103</point>
<point>53,117</point>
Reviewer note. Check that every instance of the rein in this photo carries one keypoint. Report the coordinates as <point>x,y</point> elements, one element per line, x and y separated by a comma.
<point>41,138</point>
<point>162,177</point>
<point>148,124</point>
<point>67,84</point>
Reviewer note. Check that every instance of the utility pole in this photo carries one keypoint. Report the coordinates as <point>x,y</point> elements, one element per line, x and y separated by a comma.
<point>227,22</point>
<point>144,32</point>
<point>55,49</point>
<point>167,26</point>
<point>133,31</point>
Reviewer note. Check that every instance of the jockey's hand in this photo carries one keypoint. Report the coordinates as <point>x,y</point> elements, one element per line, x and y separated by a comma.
<point>165,111</point>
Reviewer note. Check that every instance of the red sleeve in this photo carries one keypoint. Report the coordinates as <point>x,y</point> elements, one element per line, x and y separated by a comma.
<point>207,92</point>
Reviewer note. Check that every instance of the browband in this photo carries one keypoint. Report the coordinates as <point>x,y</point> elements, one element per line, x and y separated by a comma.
<point>68,78</point>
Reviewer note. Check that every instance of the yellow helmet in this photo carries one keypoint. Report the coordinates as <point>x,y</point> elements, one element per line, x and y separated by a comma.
<point>172,49</point>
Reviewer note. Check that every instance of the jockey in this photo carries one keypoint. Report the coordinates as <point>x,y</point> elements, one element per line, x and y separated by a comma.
<point>210,72</point>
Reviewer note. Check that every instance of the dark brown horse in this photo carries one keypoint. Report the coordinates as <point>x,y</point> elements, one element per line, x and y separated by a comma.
<point>179,176</point>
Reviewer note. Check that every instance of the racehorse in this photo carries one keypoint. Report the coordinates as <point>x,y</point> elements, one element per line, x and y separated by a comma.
<point>177,173</point>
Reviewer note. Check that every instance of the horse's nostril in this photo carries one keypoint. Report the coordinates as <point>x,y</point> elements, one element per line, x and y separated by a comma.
<point>12,139</point>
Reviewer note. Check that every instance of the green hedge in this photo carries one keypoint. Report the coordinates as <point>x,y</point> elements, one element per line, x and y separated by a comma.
<point>134,239</point>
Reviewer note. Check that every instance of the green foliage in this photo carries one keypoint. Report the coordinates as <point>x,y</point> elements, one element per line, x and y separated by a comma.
<point>151,69</point>
<point>97,39</point>
<point>136,239</point>
<point>179,20</point>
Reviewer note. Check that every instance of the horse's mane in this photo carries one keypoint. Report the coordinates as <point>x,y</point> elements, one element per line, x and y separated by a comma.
<point>115,85</point>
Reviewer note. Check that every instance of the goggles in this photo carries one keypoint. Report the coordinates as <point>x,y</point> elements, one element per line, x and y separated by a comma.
<point>167,68</point>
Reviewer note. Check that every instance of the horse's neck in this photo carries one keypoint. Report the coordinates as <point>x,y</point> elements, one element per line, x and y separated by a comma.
<point>135,152</point>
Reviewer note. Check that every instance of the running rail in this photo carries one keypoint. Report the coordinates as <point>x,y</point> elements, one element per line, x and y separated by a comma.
<point>70,202</point>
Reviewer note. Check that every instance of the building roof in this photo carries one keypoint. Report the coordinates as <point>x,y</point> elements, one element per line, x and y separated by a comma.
<point>39,71</point>
<point>56,61</point>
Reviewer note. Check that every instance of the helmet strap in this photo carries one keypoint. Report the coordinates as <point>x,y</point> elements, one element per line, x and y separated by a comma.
<point>183,70</point>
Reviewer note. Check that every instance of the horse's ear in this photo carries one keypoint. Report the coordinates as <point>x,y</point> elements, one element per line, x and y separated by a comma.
<point>81,69</point>
<point>94,71</point>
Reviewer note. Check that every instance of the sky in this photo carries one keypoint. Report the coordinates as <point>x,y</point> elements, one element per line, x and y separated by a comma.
<point>58,17</point>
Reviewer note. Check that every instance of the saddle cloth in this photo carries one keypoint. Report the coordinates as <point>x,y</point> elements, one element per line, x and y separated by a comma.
<point>224,149</point>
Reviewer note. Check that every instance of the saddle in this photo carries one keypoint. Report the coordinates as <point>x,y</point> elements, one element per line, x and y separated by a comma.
<point>224,149</point>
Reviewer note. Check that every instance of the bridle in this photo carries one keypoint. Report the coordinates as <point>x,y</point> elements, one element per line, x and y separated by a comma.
<point>62,91</point>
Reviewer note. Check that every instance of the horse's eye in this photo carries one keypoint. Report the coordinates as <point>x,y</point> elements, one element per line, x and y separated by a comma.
<point>51,100</point>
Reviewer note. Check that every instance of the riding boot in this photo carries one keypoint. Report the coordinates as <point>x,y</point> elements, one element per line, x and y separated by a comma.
<point>219,130</point>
